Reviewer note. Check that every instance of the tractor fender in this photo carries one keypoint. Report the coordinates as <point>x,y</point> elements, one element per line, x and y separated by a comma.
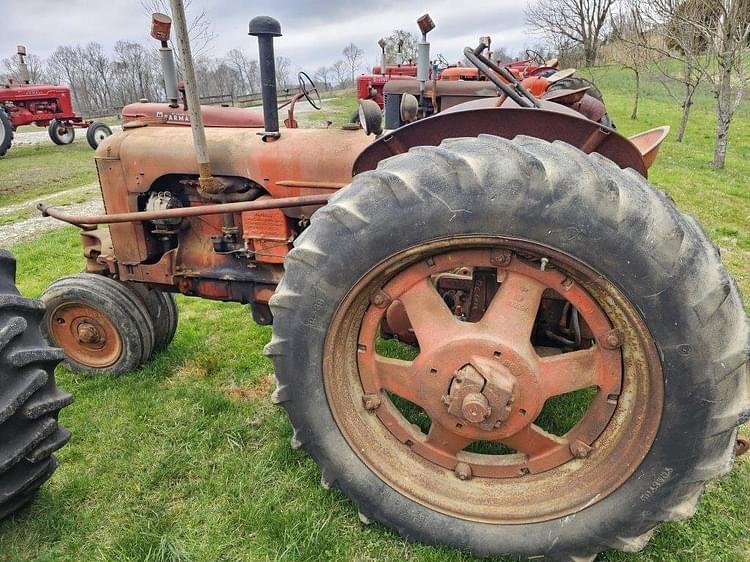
<point>551,122</point>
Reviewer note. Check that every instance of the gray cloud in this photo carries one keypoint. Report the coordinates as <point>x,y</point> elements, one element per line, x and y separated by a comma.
<point>314,31</point>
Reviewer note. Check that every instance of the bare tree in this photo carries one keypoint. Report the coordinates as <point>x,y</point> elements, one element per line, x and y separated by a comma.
<point>283,72</point>
<point>712,40</point>
<point>247,69</point>
<point>580,22</point>
<point>631,49</point>
<point>9,69</point>
<point>400,46</point>
<point>339,71</point>
<point>323,75</point>
<point>353,56</point>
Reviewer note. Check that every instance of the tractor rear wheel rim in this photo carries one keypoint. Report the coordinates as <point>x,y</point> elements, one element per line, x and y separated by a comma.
<point>87,335</point>
<point>483,381</point>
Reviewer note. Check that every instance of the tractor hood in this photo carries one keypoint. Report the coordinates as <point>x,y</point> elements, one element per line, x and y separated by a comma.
<point>300,162</point>
<point>163,114</point>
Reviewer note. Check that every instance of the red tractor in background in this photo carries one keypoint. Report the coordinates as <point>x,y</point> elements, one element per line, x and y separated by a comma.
<point>45,106</point>
<point>541,77</point>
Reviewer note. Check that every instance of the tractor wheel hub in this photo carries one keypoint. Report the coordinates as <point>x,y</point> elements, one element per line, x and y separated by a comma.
<point>87,333</point>
<point>482,392</point>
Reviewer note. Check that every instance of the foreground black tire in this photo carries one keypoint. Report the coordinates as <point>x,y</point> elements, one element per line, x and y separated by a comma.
<point>96,133</point>
<point>583,206</point>
<point>102,325</point>
<point>60,134</point>
<point>6,132</point>
<point>29,399</point>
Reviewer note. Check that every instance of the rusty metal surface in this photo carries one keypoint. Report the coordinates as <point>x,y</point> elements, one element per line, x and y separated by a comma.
<point>268,234</point>
<point>195,211</point>
<point>503,385</point>
<point>152,113</point>
<point>649,142</point>
<point>87,335</point>
<point>299,155</point>
<point>474,118</point>
<point>470,88</point>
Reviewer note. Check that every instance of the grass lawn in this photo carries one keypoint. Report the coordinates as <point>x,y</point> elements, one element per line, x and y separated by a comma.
<point>33,171</point>
<point>186,459</point>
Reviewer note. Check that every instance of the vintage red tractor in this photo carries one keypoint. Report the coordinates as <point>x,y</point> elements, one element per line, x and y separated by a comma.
<point>45,106</point>
<point>435,293</point>
<point>442,87</point>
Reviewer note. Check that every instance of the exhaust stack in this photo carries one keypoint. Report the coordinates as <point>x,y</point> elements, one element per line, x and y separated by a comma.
<point>265,28</point>
<point>23,68</point>
<point>207,183</point>
<point>161,26</point>
<point>382,45</point>
<point>426,25</point>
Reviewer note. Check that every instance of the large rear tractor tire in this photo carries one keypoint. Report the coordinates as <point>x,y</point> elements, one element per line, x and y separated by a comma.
<point>60,133</point>
<point>6,132</point>
<point>103,326</point>
<point>29,399</point>
<point>580,369</point>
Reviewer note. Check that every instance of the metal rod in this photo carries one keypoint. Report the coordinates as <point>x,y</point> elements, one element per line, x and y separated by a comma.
<point>180,212</point>
<point>191,95</point>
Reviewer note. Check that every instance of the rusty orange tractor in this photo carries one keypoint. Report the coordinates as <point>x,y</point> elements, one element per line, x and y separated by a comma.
<point>437,293</point>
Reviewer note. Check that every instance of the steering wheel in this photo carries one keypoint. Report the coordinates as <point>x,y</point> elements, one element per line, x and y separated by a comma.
<point>535,56</point>
<point>310,90</point>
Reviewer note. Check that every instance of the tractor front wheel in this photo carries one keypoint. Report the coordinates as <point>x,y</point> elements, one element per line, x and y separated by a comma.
<point>60,132</point>
<point>103,326</point>
<point>502,346</point>
<point>6,132</point>
<point>96,133</point>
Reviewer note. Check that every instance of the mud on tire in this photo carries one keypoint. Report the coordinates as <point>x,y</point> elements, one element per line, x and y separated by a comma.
<point>29,399</point>
<point>583,206</point>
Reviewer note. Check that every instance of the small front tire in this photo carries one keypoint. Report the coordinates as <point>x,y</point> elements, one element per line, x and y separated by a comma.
<point>60,133</point>
<point>102,325</point>
<point>96,133</point>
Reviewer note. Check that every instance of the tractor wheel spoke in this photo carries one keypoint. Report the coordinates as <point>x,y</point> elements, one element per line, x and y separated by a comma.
<point>430,318</point>
<point>513,310</point>
<point>397,376</point>
<point>568,372</point>
<point>446,440</point>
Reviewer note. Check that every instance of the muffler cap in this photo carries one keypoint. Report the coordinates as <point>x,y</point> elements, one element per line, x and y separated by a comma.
<point>265,25</point>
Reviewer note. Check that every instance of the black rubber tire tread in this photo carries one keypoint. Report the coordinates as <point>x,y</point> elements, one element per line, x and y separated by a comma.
<point>91,133</point>
<point>557,195</point>
<point>162,309</point>
<point>29,398</point>
<point>7,132</point>
<point>116,300</point>
<point>52,131</point>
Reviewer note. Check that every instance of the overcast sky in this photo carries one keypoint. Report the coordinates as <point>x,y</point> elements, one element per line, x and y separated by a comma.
<point>314,31</point>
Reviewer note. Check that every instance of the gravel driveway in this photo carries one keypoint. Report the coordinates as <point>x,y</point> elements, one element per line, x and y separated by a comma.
<point>36,224</point>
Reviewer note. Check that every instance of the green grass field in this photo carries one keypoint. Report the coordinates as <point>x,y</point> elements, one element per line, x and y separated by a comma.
<point>187,460</point>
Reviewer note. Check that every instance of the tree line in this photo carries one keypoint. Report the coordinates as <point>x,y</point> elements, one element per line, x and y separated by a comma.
<point>688,43</point>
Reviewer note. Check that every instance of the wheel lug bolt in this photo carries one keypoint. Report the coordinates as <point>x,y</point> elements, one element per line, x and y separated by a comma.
<point>463,471</point>
<point>371,402</point>
<point>580,450</point>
